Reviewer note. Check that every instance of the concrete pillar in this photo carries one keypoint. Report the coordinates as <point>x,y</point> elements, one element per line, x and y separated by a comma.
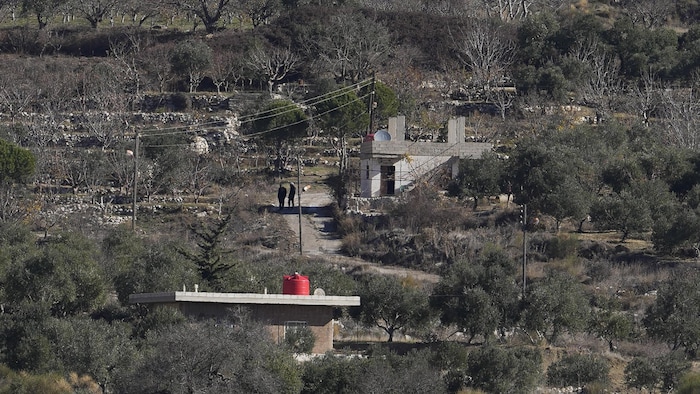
<point>455,130</point>
<point>397,128</point>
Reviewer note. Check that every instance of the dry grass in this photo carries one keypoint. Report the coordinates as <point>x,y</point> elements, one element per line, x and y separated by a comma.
<point>613,238</point>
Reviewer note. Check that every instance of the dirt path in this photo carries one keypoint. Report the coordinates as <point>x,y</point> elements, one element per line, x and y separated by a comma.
<point>318,237</point>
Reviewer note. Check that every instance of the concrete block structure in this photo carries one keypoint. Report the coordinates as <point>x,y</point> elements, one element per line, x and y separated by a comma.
<point>278,312</point>
<point>390,164</point>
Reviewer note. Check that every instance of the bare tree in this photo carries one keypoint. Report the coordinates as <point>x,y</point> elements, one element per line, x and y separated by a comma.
<point>644,97</point>
<point>93,11</point>
<point>156,62</point>
<point>11,199</point>
<point>273,64</point>
<point>394,5</point>
<point>9,8</point>
<point>508,10</point>
<point>209,12</point>
<point>503,97</point>
<point>404,74</point>
<point>259,11</point>
<point>602,82</point>
<point>120,168</point>
<point>486,51</point>
<point>16,96</point>
<point>226,70</point>
<point>649,13</point>
<point>682,117</point>
<point>106,127</point>
<point>464,8</point>
<point>126,53</point>
<point>141,11</point>
<point>197,177</point>
<point>43,10</point>
<point>351,46</point>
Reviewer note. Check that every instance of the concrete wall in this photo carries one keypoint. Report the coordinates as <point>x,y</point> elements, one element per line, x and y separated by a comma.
<point>412,160</point>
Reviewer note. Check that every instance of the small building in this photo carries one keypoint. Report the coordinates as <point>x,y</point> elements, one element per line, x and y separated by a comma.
<point>389,163</point>
<point>278,312</point>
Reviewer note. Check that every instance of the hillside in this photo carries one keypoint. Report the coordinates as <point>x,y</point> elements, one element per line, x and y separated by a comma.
<point>142,149</point>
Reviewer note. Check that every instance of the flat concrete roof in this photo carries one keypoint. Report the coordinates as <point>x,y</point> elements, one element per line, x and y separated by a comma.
<point>243,298</point>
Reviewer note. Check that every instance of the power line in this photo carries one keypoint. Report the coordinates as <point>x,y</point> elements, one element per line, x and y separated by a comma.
<point>266,114</point>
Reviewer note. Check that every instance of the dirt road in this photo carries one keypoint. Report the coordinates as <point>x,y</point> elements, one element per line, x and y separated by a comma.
<point>318,237</point>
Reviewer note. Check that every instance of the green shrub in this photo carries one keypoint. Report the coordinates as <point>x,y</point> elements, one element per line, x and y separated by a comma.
<point>181,102</point>
<point>300,339</point>
<point>578,370</point>
<point>690,384</point>
<point>499,370</point>
<point>561,247</point>
<point>641,373</point>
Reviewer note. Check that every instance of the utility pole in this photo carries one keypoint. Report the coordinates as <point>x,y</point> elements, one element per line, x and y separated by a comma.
<point>299,190</point>
<point>371,105</point>
<point>136,172</point>
<point>524,217</point>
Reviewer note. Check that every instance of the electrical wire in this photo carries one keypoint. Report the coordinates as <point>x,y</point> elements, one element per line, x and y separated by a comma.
<point>267,113</point>
<point>267,131</point>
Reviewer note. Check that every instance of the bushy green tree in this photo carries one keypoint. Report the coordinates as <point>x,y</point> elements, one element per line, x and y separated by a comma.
<point>643,50</point>
<point>480,296</point>
<point>62,272</point>
<point>393,306</point>
<point>387,102</point>
<point>24,337</point>
<point>543,178</point>
<point>96,348</point>
<point>343,114</point>
<point>610,323</point>
<point>578,370</point>
<point>280,124</point>
<point>554,304</point>
<point>231,355</point>
<point>479,178</point>
<point>675,315</point>
<point>16,164</point>
<point>625,212</point>
<point>500,370</point>
<point>330,374</point>
<point>662,372</point>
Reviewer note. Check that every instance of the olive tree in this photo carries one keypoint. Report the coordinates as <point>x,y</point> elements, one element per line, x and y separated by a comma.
<point>555,304</point>
<point>480,296</point>
<point>675,315</point>
<point>392,306</point>
<point>280,123</point>
<point>230,355</point>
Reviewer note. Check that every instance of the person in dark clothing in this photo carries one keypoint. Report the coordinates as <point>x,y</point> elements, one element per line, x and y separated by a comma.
<point>292,192</point>
<point>281,194</point>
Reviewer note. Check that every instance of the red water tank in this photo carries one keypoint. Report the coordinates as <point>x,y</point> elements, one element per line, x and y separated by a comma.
<point>295,284</point>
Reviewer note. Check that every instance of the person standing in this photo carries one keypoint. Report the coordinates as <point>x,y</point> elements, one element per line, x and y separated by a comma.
<point>281,194</point>
<point>292,193</point>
